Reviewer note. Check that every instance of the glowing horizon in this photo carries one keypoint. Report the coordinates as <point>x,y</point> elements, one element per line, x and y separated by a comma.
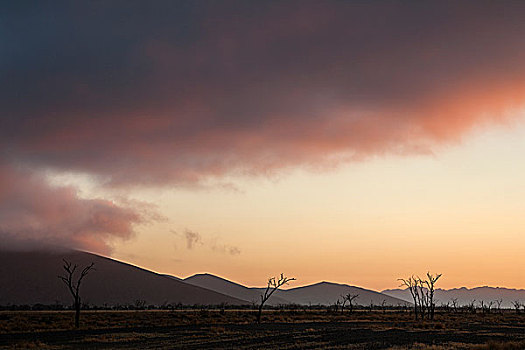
<point>348,142</point>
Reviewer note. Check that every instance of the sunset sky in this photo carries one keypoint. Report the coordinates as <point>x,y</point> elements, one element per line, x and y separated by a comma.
<point>349,141</point>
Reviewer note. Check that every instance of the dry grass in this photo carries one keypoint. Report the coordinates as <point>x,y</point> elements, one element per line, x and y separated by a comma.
<point>279,330</point>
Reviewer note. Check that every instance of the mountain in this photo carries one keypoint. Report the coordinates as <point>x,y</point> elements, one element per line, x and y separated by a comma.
<point>324,293</point>
<point>221,285</point>
<point>466,296</point>
<point>32,277</point>
<point>327,293</point>
<point>173,277</point>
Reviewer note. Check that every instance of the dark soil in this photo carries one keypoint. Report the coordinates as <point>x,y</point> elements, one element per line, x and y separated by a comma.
<point>236,330</point>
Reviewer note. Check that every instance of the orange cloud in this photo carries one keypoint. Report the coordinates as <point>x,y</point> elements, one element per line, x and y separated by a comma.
<point>200,90</point>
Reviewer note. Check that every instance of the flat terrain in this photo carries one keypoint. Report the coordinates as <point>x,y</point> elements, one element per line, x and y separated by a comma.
<point>196,329</point>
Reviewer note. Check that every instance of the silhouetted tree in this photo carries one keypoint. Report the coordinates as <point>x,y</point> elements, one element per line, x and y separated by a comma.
<point>273,285</point>
<point>350,298</point>
<point>342,303</point>
<point>429,283</point>
<point>412,286</point>
<point>498,303</point>
<point>489,306</point>
<point>383,305</point>
<point>454,302</point>
<point>445,306</point>
<point>74,285</point>
<point>472,306</point>
<point>517,305</point>
<point>336,305</point>
<point>422,291</point>
<point>485,307</point>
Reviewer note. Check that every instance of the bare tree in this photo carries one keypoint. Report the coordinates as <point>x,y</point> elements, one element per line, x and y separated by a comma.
<point>498,303</point>
<point>489,306</point>
<point>485,307</point>
<point>454,302</point>
<point>472,306</point>
<point>74,285</point>
<point>430,283</point>
<point>445,306</point>
<point>273,285</point>
<point>350,298</point>
<point>422,291</point>
<point>342,303</point>
<point>424,297</point>
<point>336,305</point>
<point>517,305</point>
<point>412,285</point>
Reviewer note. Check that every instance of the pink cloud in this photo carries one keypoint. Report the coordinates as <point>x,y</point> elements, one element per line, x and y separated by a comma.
<point>34,214</point>
<point>191,91</point>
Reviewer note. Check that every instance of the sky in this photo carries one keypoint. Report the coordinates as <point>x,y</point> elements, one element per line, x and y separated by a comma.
<point>354,142</point>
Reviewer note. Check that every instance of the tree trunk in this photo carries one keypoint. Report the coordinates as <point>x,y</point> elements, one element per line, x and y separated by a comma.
<point>259,313</point>
<point>77,313</point>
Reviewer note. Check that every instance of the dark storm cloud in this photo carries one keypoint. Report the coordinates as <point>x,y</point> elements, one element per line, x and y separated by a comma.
<point>177,92</point>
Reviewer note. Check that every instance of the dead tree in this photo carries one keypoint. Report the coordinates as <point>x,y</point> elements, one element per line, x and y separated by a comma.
<point>422,292</point>
<point>272,286</point>
<point>74,285</point>
<point>472,306</point>
<point>336,305</point>
<point>482,306</point>
<point>489,306</point>
<point>424,298</point>
<point>429,283</point>
<point>498,303</point>
<point>517,305</point>
<point>412,286</point>
<point>445,306</point>
<point>342,303</point>
<point>350,298</point>
<point>454,302</point>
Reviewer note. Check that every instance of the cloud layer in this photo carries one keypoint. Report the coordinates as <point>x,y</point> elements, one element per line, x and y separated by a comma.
<point>176,93</point>
<point>35,215</point>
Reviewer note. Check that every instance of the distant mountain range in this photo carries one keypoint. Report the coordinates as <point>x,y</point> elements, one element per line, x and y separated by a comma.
<point>28,278</point>
<point>323,293</point>
<point>221,285</point>
<point>465,296</point>
<point>326,293</point>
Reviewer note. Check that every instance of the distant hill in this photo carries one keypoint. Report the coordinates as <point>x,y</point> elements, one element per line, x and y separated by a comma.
<point>233,289</point>
<point>31,278</point>
<point>324,293</point>
<point>466,295</point>
<point>327,293</point>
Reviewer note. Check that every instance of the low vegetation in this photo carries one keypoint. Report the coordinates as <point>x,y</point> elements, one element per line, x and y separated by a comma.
<point>228,328</point>
<point>344,325</point>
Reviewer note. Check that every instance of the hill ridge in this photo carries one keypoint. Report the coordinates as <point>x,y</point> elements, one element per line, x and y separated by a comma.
<point>113,282</point>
